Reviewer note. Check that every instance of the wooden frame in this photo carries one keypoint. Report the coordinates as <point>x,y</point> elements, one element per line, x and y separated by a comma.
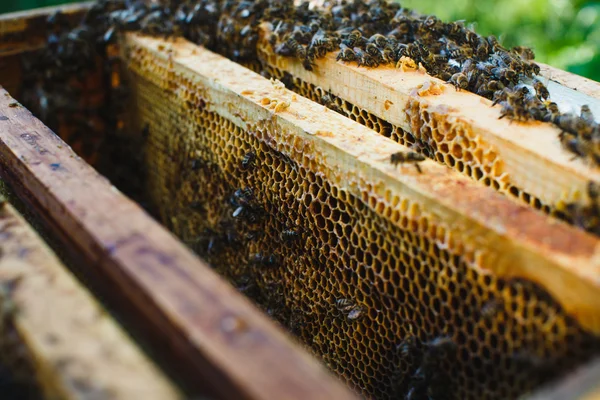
<point>171,289</point>
<point>214,332</point>
<point>529,160</point>
<point>74,353</point>
<point>496,229</point>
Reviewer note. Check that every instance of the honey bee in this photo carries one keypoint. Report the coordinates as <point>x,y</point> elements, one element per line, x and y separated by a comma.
<point>483,50</point>
<point>260,259</point>
<point>541,90</point>
<point>407,157</point>
<point>432,23</point>
<point>459,80</point>
<point>524,52</point>
<point>289,236</point>
<point>388,55</point>
<point>308,59</point>
<point>373,51</point>
<point>575,125</point>
<point>506,75</point>
<point>489,88</point>
<point>531,69</point>
<point>593,190</point>
<point>368,60</point>
<point>248,160</point>
<point>243,197</point>
<point>408,346</point>
<point>208,241</point>
<point>321,44</point>
<point>586,114</point>
<point>513,111</point>
<point>328,102</point>
<point>575,145</point>
<point>403,23</point>
<point>490,308</point>
<point>515,95</point>
<point>552,112</point>
<point>496,46</point>
<point>296,48</point>
<point>348,308</point>
<point>583,217</point>
<point>378,40</point>
<point>346,54</point>
<point>355,38</point>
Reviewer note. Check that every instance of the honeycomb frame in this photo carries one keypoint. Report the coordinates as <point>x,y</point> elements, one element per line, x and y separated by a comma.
<point>467,136</point>
<point>436,229</point>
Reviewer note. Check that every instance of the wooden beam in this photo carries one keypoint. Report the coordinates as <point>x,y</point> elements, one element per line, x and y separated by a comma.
<point>581,384</point>
<point>571,81</point>
<point>510,240</point>
<point>216,333</point>
<point>75,351</point>
<point>522,159</point>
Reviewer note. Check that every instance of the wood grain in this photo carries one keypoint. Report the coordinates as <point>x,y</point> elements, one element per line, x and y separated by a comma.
<point>234,350</point>
<point>75,351</point>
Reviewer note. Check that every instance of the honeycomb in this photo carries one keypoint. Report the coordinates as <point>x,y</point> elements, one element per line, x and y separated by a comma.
<point>363,274</point>
<point>437,136</point>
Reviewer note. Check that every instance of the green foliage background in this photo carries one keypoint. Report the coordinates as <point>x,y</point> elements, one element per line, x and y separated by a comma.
<point>563,33</point>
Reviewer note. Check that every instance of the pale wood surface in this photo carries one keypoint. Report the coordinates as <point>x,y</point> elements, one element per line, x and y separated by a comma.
<point>231,347</point>
<point>502,237</point>
<point>531,154</point>
<point>572,81</point>
<point>77,349</point>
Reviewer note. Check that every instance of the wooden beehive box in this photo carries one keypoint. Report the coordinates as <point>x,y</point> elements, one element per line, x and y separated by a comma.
<point>369,265</point>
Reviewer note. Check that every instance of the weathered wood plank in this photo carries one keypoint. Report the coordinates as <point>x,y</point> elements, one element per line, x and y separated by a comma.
<point>215,332</point>
<point>581,384</point>
<point>76,349</point>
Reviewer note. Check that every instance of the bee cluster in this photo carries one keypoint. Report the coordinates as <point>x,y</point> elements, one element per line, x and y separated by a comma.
<point>370,33</point>
<point>585,215</point>
<point>427,381</point>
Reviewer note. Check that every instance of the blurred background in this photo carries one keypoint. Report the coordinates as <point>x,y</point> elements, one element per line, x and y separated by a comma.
<point>563,33</point>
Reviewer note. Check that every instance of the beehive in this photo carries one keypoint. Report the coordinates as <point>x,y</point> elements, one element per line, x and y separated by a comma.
<point>366,232</point>
<point>356,257</point>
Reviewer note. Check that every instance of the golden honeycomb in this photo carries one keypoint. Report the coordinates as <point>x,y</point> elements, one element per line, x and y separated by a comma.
<point>449,142</point>
<point>404,273</point>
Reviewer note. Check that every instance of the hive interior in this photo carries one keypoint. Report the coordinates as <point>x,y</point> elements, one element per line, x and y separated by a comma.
<point>362,275</point>
<point>356,278</point>
<point>432,133</point>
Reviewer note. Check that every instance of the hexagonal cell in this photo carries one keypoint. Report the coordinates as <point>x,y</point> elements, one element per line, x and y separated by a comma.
<point>356,278</point>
